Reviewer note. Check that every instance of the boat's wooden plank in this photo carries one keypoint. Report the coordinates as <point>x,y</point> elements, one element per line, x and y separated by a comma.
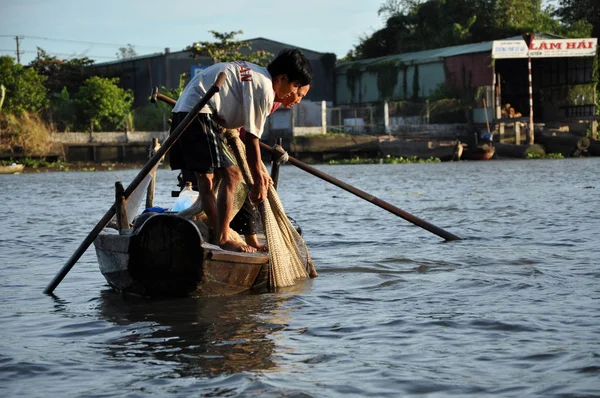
<point>113,242</point>
<point>235,274</point>
<point>236,257</point>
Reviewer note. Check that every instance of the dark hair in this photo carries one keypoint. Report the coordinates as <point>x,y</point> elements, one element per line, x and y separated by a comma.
<point>291,62</point>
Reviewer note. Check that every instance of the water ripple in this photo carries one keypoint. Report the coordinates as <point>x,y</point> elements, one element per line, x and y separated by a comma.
<point>509,311</point>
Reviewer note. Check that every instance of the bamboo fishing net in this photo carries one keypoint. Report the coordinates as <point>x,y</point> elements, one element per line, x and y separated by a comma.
<point>289,256</point>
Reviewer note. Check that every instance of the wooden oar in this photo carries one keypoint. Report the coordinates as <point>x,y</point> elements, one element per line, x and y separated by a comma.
<point>369,198</point>
<point>173,137</point>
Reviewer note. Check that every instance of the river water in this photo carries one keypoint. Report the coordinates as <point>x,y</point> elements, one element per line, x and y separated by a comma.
<point>512,310</point>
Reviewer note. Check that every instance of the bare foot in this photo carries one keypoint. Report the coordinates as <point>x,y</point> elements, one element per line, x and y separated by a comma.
<point>237,247</point>
<point>261,248</point>
<point>252,240</point>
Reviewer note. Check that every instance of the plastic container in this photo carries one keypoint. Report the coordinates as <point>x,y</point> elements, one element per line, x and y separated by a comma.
<point>186,198</point>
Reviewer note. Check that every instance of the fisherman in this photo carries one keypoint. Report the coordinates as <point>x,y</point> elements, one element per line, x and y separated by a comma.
<point>245,222</point>
<point>244,100</point>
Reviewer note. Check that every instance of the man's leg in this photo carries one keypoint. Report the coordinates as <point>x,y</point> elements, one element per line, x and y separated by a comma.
<point>230,179</point>
<point>206,200</point>
<point>207,197</point>
<point>245,223</point>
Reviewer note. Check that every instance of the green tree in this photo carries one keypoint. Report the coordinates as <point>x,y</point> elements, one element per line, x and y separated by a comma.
<point>63,111</point>
<point>62,77</point>
<point>226,49</point>
<point>578,12</point>
<point>513,15</point>
<point>25,91</point>
<point>414,25</point>
<point>390,8</point>
<point>61,73</point>
<point>102,105</point>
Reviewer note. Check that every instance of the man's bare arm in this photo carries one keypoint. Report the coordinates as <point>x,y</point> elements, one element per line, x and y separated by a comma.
<point>261,179</point>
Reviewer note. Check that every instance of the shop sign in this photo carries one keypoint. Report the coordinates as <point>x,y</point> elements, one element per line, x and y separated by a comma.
<point>545,48</point>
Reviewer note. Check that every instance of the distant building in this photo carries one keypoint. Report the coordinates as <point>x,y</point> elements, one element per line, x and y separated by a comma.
<point>562,83</point>
<point>142,73</point>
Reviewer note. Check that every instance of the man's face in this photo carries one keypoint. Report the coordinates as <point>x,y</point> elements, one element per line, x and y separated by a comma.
<point>296,97</point>
<point>283,87</point>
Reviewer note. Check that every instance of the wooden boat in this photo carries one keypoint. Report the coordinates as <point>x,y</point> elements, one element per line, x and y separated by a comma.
<point>520,151</point>
<point>12,168</point>
<point>166,256</point>
<point>480,152</point>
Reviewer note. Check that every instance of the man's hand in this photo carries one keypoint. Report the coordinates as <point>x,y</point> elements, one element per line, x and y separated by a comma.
<point>261,178</point>
<point>259,191</point>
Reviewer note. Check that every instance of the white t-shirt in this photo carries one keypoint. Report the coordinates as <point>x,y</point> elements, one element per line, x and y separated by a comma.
<point>244,100</point>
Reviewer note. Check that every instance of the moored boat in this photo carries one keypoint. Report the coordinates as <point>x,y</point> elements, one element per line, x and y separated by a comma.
<point>480,152</point>
<point>11,168</point>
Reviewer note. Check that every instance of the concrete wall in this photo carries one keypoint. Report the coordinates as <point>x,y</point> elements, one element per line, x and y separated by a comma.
<point>308,114</point>
<point>304,118</point>
<point>109,138</point>
<point>107,147</point>
<point>300,131</point>
<point>431,131</point>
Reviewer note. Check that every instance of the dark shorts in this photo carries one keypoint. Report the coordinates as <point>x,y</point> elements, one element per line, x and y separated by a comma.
<point>201,147</point>
<point>245,221</point>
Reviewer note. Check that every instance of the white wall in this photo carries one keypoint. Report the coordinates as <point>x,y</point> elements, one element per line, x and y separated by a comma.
<point>108,137</point>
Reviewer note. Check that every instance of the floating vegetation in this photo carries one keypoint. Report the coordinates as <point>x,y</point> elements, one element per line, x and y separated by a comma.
<point>385,160</point>
<point>42,162</point>
<point>534,155</point>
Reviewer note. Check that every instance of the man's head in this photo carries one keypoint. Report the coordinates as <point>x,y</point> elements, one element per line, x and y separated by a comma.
<point>295,98</point>
<point>290,70</point>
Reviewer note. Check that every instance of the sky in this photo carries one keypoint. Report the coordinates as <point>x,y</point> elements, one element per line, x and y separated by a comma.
<point>97,29</point>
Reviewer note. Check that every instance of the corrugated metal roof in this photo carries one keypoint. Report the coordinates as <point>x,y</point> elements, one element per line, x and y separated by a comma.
<point>267,44</point>
<point>277,45</point>
<point>423,57</point>
<point>128,59</point>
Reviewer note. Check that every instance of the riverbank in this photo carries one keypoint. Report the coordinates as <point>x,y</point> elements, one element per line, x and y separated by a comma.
<point>327,149</point>
<point>105,151</point>
<point>41,166</point>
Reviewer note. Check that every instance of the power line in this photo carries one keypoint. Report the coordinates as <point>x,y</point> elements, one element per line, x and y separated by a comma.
<point>74,54</point>
<point>81,41</point>
<point>60,54</point>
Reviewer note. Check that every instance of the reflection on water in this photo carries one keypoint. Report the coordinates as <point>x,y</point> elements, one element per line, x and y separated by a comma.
<point>197,336</point>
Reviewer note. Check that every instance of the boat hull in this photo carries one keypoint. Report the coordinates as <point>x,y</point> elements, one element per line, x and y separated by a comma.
<point>166,257</point>
<point>482,152</point>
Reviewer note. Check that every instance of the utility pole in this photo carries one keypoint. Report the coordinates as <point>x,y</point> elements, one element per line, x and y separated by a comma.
<point>18,38</point>
<point>529,41</point>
